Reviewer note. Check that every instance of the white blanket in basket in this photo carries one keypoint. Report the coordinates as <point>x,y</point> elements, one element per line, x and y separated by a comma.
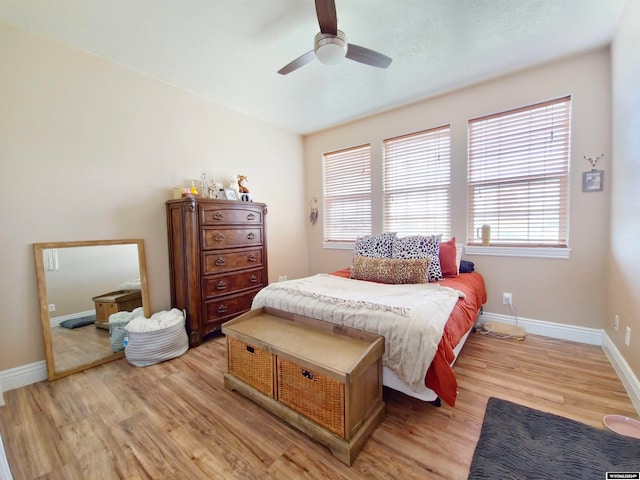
<point>410,317</point>
<point>157,321</point>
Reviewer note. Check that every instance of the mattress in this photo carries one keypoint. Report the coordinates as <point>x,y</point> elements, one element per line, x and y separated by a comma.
<point>440,377</point>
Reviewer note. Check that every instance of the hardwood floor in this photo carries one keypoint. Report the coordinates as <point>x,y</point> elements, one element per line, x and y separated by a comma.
<point>175,420</point>
<point>78,346</point>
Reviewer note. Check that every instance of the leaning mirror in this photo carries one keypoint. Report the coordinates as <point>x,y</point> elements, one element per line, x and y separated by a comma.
<point>80,285</point>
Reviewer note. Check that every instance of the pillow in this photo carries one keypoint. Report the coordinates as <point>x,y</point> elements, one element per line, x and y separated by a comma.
<point>390,270</point>
<point>377,246</point>
<point>447,255</point>
<point>459,248</point>
<point>466,267</point>
<point>78,322</point>
<point>420,246</point>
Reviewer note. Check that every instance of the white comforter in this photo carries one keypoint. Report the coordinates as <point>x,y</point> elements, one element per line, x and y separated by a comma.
<point>410,317</point>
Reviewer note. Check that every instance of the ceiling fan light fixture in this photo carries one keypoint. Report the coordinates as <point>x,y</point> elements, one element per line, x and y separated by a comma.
<point>330,49</point>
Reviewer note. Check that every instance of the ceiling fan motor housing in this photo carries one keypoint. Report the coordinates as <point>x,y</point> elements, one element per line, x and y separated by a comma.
<point>330,49</point>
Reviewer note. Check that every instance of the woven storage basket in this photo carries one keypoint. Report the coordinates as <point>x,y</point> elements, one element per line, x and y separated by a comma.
<point>148,348</point>
<point>117,333</point>
<point>251,364</point>
<point>316,396</point>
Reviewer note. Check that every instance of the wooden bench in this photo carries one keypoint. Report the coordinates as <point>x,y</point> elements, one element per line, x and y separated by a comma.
<point>322,378</point>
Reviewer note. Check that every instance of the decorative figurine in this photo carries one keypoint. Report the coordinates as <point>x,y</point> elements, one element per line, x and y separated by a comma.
<point>243,188</point>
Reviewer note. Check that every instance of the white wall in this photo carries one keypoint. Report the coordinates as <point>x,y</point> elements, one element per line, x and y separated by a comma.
<point>90,150</point>
<point>624,258</point>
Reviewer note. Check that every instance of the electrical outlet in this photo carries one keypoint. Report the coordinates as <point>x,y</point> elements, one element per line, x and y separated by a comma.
<point>616,323</point>
<point>52,307</point>
<point>282,278</point>
<point>507,298</point>
<point>627,337</point>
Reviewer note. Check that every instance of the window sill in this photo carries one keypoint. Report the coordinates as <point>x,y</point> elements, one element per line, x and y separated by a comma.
<point>530,252</point>
<point>338,245</point>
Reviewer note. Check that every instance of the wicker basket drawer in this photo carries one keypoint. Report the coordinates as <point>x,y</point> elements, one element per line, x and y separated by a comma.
<point>251,364</point>
<point>312,394</point>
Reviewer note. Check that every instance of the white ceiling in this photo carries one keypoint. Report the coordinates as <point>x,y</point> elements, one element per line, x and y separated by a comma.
<point>228,51</point>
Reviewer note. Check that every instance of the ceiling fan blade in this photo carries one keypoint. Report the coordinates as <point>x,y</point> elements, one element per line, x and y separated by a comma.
<point>367,56</point>
<point>298,62</point>
<point>327,17</point>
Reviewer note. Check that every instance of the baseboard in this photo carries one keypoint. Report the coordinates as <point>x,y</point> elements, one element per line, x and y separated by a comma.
<point>5,471</point>
<point>21,376</point>
<point>590,336</point>
<point>622,368</point>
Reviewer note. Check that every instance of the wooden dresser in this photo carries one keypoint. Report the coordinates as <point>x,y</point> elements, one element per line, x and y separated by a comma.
<point>217,260</point>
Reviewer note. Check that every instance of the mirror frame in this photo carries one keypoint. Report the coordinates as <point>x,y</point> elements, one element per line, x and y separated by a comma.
<point>38,249</point>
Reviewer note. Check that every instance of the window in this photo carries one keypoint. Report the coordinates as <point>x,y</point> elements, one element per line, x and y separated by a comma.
<point>518,176</point>
<point>417,181</point>
<point>347,195</point>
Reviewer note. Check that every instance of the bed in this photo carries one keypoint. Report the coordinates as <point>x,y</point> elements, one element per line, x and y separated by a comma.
<point>460,300</point>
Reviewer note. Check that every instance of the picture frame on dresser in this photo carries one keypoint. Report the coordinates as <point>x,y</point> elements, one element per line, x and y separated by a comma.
<point>230,194</point>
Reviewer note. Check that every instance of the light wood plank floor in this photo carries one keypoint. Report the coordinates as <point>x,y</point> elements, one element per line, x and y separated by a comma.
<point>79,346</point>
<point>175,420</point>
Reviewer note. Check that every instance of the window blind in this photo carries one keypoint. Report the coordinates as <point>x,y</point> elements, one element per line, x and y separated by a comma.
<point>417,182</point>
<point>518,172</point>
<point>347,194</point>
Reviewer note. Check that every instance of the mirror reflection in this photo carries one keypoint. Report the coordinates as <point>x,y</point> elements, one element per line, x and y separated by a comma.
<point>81,285</point>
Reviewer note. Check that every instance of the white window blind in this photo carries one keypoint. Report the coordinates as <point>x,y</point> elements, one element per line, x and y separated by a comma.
<point>347,194</point>
<point>417,181</point>
<point>518,175</point>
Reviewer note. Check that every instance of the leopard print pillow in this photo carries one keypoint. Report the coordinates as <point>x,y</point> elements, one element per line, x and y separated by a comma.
<point>390,270</point>
<point>420,246</point>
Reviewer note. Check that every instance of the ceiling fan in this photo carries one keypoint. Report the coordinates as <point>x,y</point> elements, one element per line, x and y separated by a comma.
<point>330,44</point>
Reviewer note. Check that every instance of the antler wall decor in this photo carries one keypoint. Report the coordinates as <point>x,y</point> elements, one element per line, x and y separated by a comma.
<point>593,160</point>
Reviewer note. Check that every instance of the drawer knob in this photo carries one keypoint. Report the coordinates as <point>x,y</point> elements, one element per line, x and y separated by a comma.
<point>219,237</point>
<point>222,308</point>
<point>253,258</point>
<point>221,285</point>
<point>253,279</point>
<point>251,236</point>
<point>218,216</point>
<point>251,216</point>
<point>220,261</point>
<point>307,374</point>
<point>250,349</point>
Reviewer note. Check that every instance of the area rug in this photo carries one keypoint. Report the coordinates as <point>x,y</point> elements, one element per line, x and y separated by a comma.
<point>517,442</point>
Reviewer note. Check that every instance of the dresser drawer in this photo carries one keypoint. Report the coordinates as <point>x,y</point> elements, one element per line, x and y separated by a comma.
<point>218,262</point>
<point>220,215</point>
<point>229,306</point>
<point>230,237</point>
<point>233,282</point>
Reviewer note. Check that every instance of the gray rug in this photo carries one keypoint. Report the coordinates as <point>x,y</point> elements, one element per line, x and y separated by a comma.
<point>517,442</point>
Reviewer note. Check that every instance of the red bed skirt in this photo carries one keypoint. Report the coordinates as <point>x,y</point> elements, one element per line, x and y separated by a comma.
<point>440,376</point>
